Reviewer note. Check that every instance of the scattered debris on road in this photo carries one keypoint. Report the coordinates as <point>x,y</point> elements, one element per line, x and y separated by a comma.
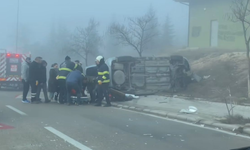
<point>131,96</point>
<point>206,77</point>
<point>190,110</point>
<point>147,134</point>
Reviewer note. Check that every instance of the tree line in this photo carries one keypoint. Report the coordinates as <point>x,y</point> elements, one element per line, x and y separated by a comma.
<point>140,34</point>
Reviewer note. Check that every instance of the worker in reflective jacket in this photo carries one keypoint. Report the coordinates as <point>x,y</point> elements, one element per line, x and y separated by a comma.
<point>62,74</point>
<point>103,81</point>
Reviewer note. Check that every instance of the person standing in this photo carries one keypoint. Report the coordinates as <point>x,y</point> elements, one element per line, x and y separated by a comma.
<point>66,62</point>
<point>53,85</point>
<point>79,67</point>
<point>42,85</point>
<point>25,79</point>
<point>103,81</point>
<point>74,81</point>
<point>62,74</point>
<point>34,73</point>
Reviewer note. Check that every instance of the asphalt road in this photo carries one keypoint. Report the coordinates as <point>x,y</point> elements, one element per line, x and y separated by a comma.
<point>55,126</point>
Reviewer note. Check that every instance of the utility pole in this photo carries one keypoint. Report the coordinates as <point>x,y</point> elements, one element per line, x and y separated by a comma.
<point>17,23</point>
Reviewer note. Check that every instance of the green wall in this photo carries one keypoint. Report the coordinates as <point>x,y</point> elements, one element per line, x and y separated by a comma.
<point>230,35</point>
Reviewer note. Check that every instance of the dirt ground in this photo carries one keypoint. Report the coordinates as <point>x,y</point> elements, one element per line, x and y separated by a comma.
<point>221,70</point>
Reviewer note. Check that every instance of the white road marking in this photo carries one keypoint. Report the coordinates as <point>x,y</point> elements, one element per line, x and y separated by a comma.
<point>68,139</point>
<point>16,110</point>
<point>187,123</point>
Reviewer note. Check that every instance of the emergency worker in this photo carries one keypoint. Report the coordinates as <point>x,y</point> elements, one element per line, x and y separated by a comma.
<point>74,82</point>
<point>62,75</point>
<point>34,75</point>
<point>79,67</point>
<point>103,81</point>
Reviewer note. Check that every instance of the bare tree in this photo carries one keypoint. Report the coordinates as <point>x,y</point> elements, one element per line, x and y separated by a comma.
<point>241,13</point>
<point>59,39</point>
<point>138,33</point>
<point>86,41</point>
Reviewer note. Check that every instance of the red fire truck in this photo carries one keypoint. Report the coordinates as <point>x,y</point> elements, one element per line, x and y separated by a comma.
<point>10,70</point>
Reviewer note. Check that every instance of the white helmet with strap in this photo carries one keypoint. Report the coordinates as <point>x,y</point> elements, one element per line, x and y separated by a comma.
<point>99,58</point>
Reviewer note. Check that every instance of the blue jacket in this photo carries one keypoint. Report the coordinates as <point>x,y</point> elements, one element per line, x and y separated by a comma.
<point>75,77</point>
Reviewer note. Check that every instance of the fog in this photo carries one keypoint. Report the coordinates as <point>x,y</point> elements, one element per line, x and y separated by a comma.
<point>39,19</point>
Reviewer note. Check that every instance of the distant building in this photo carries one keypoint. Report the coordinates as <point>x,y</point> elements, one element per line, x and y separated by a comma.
<point>209,26</point>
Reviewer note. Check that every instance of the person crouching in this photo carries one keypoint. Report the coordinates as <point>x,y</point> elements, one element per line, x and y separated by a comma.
<point>74,81</point>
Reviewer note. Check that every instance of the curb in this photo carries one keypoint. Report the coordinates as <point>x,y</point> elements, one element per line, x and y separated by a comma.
<point>246,130</point>
<point>227,127</point>
<point>238,129</point>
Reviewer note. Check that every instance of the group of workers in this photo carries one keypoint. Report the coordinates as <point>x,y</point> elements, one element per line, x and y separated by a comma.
<point>62,81</point>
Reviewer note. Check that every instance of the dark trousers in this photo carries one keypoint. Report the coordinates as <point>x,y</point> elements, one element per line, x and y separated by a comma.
<point>103,91</point>
<point>92,92</point>
<point>33,90</point>
<point>26,87</point>
<point>70,86</point>
<point>42,86</point>
<point>57,92</point>
<point>62,90</point>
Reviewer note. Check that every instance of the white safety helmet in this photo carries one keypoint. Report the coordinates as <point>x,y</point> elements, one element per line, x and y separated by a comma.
<point>98,58</point>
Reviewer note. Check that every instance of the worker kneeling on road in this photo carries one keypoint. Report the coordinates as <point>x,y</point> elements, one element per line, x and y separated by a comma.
<point>74,81</point>
<point>103,81</point>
